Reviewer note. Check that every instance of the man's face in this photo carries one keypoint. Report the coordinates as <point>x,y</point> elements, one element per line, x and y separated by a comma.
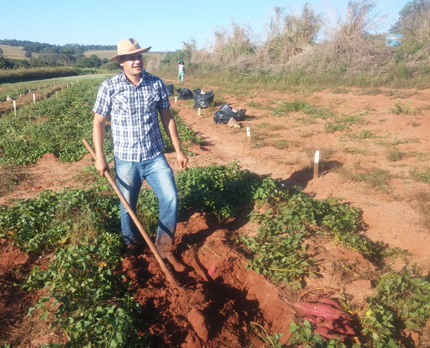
<point>132,64</point>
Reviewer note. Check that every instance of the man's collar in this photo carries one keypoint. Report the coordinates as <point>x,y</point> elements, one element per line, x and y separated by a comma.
<point>124,78</point>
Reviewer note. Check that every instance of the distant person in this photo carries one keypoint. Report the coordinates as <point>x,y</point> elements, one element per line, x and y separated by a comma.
<point>133,99</point>
<point>181,71</point>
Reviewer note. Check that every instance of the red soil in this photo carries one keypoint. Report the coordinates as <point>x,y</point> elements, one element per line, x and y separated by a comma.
<point>217,299</point>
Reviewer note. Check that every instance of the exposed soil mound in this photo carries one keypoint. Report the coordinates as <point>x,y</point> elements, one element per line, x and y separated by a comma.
<point>217,299</point>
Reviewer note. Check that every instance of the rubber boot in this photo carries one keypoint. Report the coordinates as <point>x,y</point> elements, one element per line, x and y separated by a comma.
<point>165,249</point>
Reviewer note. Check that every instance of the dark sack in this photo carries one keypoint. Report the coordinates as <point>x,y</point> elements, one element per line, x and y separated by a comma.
<point>184,94</point>
<point>202,99</point>
<point>170,89</point>
<point>225,112</point>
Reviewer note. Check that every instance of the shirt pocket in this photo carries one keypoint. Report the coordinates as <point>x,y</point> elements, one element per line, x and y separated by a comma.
<point>150,103</point>
<point>120,106</point>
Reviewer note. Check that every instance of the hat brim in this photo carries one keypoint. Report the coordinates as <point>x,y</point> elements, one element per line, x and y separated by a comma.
<point>141,50</point>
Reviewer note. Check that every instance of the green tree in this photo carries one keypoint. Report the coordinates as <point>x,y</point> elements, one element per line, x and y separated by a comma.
<point>91,62</point>
<point>414,21</point>
<point>95,61</point>
<point>22,63</point>
<point>2,62</point>
<point>110,66</point>
<point>66,55</point>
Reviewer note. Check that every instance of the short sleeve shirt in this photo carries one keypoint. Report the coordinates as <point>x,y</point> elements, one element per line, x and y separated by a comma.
<point>134,115</point>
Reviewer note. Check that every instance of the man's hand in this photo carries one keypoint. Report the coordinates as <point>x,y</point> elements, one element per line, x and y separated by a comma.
<point>101,165</point>
<point>182,160</point>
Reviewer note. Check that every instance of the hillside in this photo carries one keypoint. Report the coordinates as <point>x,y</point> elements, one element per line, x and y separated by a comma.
<point>12,52</point>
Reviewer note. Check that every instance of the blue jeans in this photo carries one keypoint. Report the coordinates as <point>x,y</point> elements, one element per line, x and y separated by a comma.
<point>181,76</point>
<point>158,174</point>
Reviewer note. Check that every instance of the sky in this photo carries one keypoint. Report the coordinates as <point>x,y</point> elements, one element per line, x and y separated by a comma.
<point>164,25</point>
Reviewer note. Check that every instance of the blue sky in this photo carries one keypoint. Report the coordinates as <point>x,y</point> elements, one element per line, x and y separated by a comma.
<point>164,25</point>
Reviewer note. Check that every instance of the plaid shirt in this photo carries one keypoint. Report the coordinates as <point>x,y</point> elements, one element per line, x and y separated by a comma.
<point>134,115</point>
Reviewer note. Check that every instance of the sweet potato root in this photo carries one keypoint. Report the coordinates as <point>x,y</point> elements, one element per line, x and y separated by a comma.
<point>321,310</point>
<point>313,319</point>
<point>331,302</point>
<point>212,269</point>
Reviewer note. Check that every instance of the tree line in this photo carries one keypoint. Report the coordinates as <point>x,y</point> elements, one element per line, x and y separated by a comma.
<point>37,47</point>
<point>55,55</point>
<point>53,60</point>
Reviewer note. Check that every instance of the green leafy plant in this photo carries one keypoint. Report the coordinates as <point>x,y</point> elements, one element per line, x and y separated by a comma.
<point>394,154</point>
<point>50,125</point>
<point>304,336</point>
<point>334,126</point>
<point>401,301</point>
<point>220,190</point>
<point>91,300</point>
<point>59,125</point>
<point>400,108</point>
<point>423,176</point>
<point>40,224</point>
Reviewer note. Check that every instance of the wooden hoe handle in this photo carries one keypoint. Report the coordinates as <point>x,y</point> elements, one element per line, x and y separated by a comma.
<point>135,219</point>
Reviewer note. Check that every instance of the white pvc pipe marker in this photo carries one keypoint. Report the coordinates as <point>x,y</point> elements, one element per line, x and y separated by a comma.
<point>317,159</point>
<point>248,134</point>
<point>317,156</point>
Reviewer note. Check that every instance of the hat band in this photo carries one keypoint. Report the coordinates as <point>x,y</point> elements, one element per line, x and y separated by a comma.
<point>129,50</point>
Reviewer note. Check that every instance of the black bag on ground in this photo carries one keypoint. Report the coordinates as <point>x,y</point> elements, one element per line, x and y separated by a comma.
<point>202,99</point>
<point>225,112</point>
<point>184,94</point>
<point>170,89</point>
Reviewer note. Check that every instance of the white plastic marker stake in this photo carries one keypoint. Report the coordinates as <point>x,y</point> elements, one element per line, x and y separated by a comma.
<point>14,107</point>
<point>34,99</point>
<point>317,159</point>
<point>198,111</point>
<point>176,99</point>
<point>248,134</point>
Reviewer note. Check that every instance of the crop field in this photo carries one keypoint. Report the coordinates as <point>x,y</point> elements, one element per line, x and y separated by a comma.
<point>12,52</point>
<point>278,254</point>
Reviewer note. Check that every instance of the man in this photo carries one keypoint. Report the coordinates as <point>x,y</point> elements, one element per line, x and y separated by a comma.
<point>133,99</point>
<point>181,71</point>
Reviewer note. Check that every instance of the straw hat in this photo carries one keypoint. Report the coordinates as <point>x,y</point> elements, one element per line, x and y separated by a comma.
<point>128,46</point>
